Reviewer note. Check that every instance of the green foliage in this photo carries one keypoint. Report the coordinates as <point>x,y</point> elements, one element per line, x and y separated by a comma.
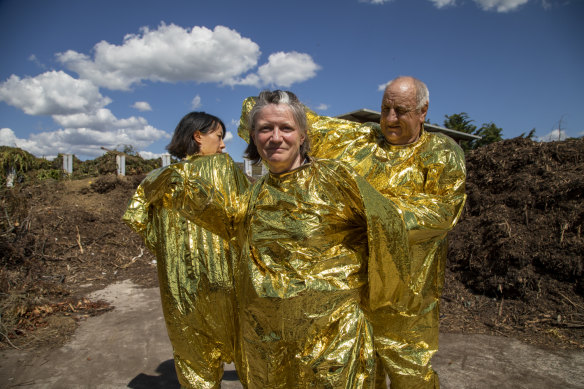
<point>49,174</point>
<point>530,135</point>
<point>28,168</point>
<point>130,150</point>
<point>488,132</point>
<point>460,122</point>
<point>13,158</point>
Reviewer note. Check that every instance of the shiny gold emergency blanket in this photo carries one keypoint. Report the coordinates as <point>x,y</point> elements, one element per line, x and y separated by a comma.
<point>195,277</point>
<point>318,245</point>
<point>426,180</point>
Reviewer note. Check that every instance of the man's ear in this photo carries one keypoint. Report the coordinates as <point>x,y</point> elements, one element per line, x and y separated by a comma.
<point>423,112</point>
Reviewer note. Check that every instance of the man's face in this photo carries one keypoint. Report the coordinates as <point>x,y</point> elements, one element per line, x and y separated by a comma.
<point>400,121</point>
<point>278,138</point>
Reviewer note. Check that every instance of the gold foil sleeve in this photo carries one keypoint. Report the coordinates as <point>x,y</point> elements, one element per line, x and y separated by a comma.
<point>321,243</point>
<point>426,179</point>
<point>207,190</point>
<point>194,271</point>
<point>388,252</point>
<point>136,217</point>
<point>314,241</point>
<point>243,129</point>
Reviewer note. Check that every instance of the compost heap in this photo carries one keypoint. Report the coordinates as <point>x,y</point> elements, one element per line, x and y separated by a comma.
<point>514,269</point>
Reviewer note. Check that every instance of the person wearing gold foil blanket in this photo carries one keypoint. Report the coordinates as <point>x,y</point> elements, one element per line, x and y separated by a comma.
<point>424,174</point>
<point>313,234</point>
<point>194,265</point>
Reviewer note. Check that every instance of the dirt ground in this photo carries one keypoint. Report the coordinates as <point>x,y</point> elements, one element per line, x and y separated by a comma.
<point>515,264</point>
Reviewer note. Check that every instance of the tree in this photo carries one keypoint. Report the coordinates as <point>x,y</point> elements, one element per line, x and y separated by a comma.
<point>489,133</point>
<point>530,135</point>
<point>461,122</point>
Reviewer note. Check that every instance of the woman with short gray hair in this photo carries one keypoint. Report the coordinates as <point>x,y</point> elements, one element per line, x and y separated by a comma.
<point>316,242</point>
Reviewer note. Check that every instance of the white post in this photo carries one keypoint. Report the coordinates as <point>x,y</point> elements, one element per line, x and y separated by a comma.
<point>68,163</point>
<point>10,177</point>
<point>264,169</point>
<point>247,167</point>
<point>121,161</point>
<point>165,159</point>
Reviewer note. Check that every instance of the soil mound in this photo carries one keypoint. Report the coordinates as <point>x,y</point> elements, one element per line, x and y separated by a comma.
<point>519,241</point>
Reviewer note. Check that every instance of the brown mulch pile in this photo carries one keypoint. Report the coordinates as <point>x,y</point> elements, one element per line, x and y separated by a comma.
<point>61,240</point>
<point>518,250</point>
<point>515,260</point>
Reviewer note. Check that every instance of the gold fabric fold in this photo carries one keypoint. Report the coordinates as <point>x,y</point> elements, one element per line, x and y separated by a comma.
<point>195,276</point>
<point>309,240</point>
<point>426,181</point>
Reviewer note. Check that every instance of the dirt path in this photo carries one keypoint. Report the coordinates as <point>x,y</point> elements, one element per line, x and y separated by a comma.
<point>128,347</point>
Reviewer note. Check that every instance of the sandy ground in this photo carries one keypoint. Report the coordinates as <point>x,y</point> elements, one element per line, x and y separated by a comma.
<point>128,348</point>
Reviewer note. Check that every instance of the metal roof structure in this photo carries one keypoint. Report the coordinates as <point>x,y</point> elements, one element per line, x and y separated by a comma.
<point>365,115</point>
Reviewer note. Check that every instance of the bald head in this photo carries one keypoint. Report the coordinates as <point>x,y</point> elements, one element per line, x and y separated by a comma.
<point>403,110</point>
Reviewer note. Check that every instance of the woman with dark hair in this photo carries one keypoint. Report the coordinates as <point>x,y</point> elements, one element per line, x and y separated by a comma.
<point>197,133</point>
<point>315,241</point>
<point>194,265</point>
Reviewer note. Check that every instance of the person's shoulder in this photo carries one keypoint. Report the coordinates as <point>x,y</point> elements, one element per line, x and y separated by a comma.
<point>438,138</point>
<point>334,165</point>
<point>441,147</point>
<point>211,157</point>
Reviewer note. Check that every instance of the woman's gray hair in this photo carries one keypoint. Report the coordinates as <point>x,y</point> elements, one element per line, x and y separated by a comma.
<point>297,109</point>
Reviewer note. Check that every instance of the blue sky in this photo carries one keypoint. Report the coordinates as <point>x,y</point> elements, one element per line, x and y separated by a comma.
<point>78,75</point>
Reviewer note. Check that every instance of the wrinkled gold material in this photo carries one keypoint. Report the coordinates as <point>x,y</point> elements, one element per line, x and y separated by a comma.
<point>311,240</point>
<point>427,182</point>
<point>195,277</point>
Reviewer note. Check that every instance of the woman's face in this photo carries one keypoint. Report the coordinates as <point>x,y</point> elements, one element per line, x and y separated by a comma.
<point>278,138</point>
<point>210,142</point>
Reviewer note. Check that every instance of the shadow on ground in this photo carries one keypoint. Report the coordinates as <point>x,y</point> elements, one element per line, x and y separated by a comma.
<point>167,379</point>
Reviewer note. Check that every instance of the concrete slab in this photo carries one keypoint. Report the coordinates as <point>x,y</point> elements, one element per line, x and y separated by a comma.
<point>128,348</point>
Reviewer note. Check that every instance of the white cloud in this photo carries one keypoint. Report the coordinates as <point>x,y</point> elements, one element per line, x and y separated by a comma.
<point>7,137</point>
<point>101,120</point>
<point>142,106</point>
<point>228,136</point>
<point>169,54</point>
<point>556,134</point>
<point>500,5</point>
<point>282,69</point>
<point>375,1</point>
<point>51,93</point>
<point>84,141</point>
<point>381,87</point>
<point>443,3</point>
<point>172,54</point>
<point>490,5</point>
<point>322,107</point>
<point>33,58</point>
<point>149,155</point>
<point>84,134</point>
<point>196,103</point>
<point>285,69</point>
